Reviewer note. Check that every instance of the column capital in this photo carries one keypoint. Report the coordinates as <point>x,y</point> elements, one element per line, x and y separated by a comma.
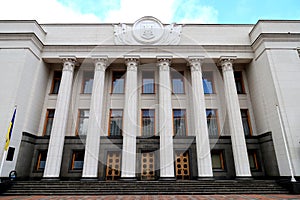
<point>226,62</point>
<point>68,63</point>
<point>101,62</point>
<point>164,62</point>
<point>195,62</point>
<point>132,62</point>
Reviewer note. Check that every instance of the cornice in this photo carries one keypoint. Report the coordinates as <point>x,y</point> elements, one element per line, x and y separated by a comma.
<point>23,37</point>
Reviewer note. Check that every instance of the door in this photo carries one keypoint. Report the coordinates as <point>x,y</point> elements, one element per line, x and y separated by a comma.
<point>182,165</point>
<point>113,165</point>
<point>148,166</point>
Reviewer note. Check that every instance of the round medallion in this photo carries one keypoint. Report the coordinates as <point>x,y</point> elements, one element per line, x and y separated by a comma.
<point>148,30</point>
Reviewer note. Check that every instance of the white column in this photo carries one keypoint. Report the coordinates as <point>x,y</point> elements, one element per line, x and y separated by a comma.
<point>57,137</point>
<point>130,119</point>
<point>165,119</point>
<point>239,148</point>
<point>90,166</point>
<point>200,122</point>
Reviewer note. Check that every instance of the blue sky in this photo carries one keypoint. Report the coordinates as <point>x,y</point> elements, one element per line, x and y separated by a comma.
<point>168,11</point>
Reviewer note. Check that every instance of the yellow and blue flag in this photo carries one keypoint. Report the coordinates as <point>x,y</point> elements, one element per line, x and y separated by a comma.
<point>10,128</point>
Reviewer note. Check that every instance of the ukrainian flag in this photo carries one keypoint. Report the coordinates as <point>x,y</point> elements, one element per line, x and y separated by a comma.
<point>10,128</point>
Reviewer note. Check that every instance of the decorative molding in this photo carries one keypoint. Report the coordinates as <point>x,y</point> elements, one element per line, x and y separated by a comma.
<point>227,62</point>
<point>195,63</point>
<point>147,30</point>
<point>164,63</point>
<point>132,62</point>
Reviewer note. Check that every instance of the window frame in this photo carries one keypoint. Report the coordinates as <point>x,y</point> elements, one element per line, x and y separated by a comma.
<point>212,82</point>
<point>154,85</point>
<point>84,79</point>
<point>154,124</point>
<point>74,153</point>
<point>38,161</point>
<point>78,121</point>
<point>222,160</point>
<point>54,79</point>
<point>239,79</point>
<point>47,120</point>
<point>248,121</point>
<point>254,154</point>
<point>185,122</point>
<point>181,72</point>
<point>109,123</point>
<point>113,79</point>
<point>216,118</point>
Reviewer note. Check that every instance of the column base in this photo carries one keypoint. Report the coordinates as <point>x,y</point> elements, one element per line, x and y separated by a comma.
<point>128,179</point>
<point>244,178</point>
<point>167,179</point>
<point>203,178</point>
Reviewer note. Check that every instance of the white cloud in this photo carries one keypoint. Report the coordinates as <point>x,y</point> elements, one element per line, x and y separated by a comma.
<point>44,11</point>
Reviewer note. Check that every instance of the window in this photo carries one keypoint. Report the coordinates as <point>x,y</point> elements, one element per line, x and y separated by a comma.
<point>116,120</point>
<point>56,82</point>
<point>49,121</point>
<point>246,122</point>
<point>148,118</point>
<point>77,160</point>
<point>148,82</point>
<point>239,82</point>
<point>252,156</point>
<point>118,81</point>
<point>87,83</point>
<point>82,122</point>
<point>10,154</point>
<point>212,122</point>
<point>41,160</point>
<point>179,123</point>
<point>208,83</point>
<point>177,82</point>
<point>217,159</point>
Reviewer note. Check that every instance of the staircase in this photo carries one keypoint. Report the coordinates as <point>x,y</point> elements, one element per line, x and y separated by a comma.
<point>189,187</point>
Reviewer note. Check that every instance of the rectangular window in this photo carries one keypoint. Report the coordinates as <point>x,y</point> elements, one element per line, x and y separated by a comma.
<point>217,159</point>
<point>49,121</point>
<point>56,82</point>
<point>115,122</point>
<point>212,122</point>
<point>118,81</point>
<point>10,154</point>
<point>208,83</point>
<point>77,160</point>
<point>179,122</point>
<point>246,122</point>
<point>177,82</point>
<point>148,118</point>
<point>239,82</point>
<point>82,122</point>
<point>41,160</point>
<point>252,156</point>
<point>148,82</point>
<point>87,82</point>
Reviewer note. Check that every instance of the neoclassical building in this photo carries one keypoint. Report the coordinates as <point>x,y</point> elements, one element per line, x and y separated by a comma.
<point>150,101</point>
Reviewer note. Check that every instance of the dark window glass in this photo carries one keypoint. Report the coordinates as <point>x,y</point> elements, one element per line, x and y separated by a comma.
<point>83,121</point>
<point>77,160</point>
<point>252,156</point>
<point>212,122</point>
<point>49,121</point>
<point>10,154</point>
<point>148,119</point>
<point>246,122</point>
<point>208,84</point>
<point>56,82</point>
<point>116,120</point>
<point>41,160</point>
<point>239,82</point>
<point>179,122</point>
<point>177,82</point>
<point>217,159</point>
<point>148,82</point>
<point>118,82</point>
<point>87,83</point>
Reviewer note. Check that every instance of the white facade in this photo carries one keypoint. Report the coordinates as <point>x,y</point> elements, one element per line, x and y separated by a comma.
<point>267,54</point>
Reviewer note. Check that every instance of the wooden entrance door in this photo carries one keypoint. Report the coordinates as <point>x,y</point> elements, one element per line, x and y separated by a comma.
<point>182,165</point>
<point>148,166</point>
<point>113,165</point>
